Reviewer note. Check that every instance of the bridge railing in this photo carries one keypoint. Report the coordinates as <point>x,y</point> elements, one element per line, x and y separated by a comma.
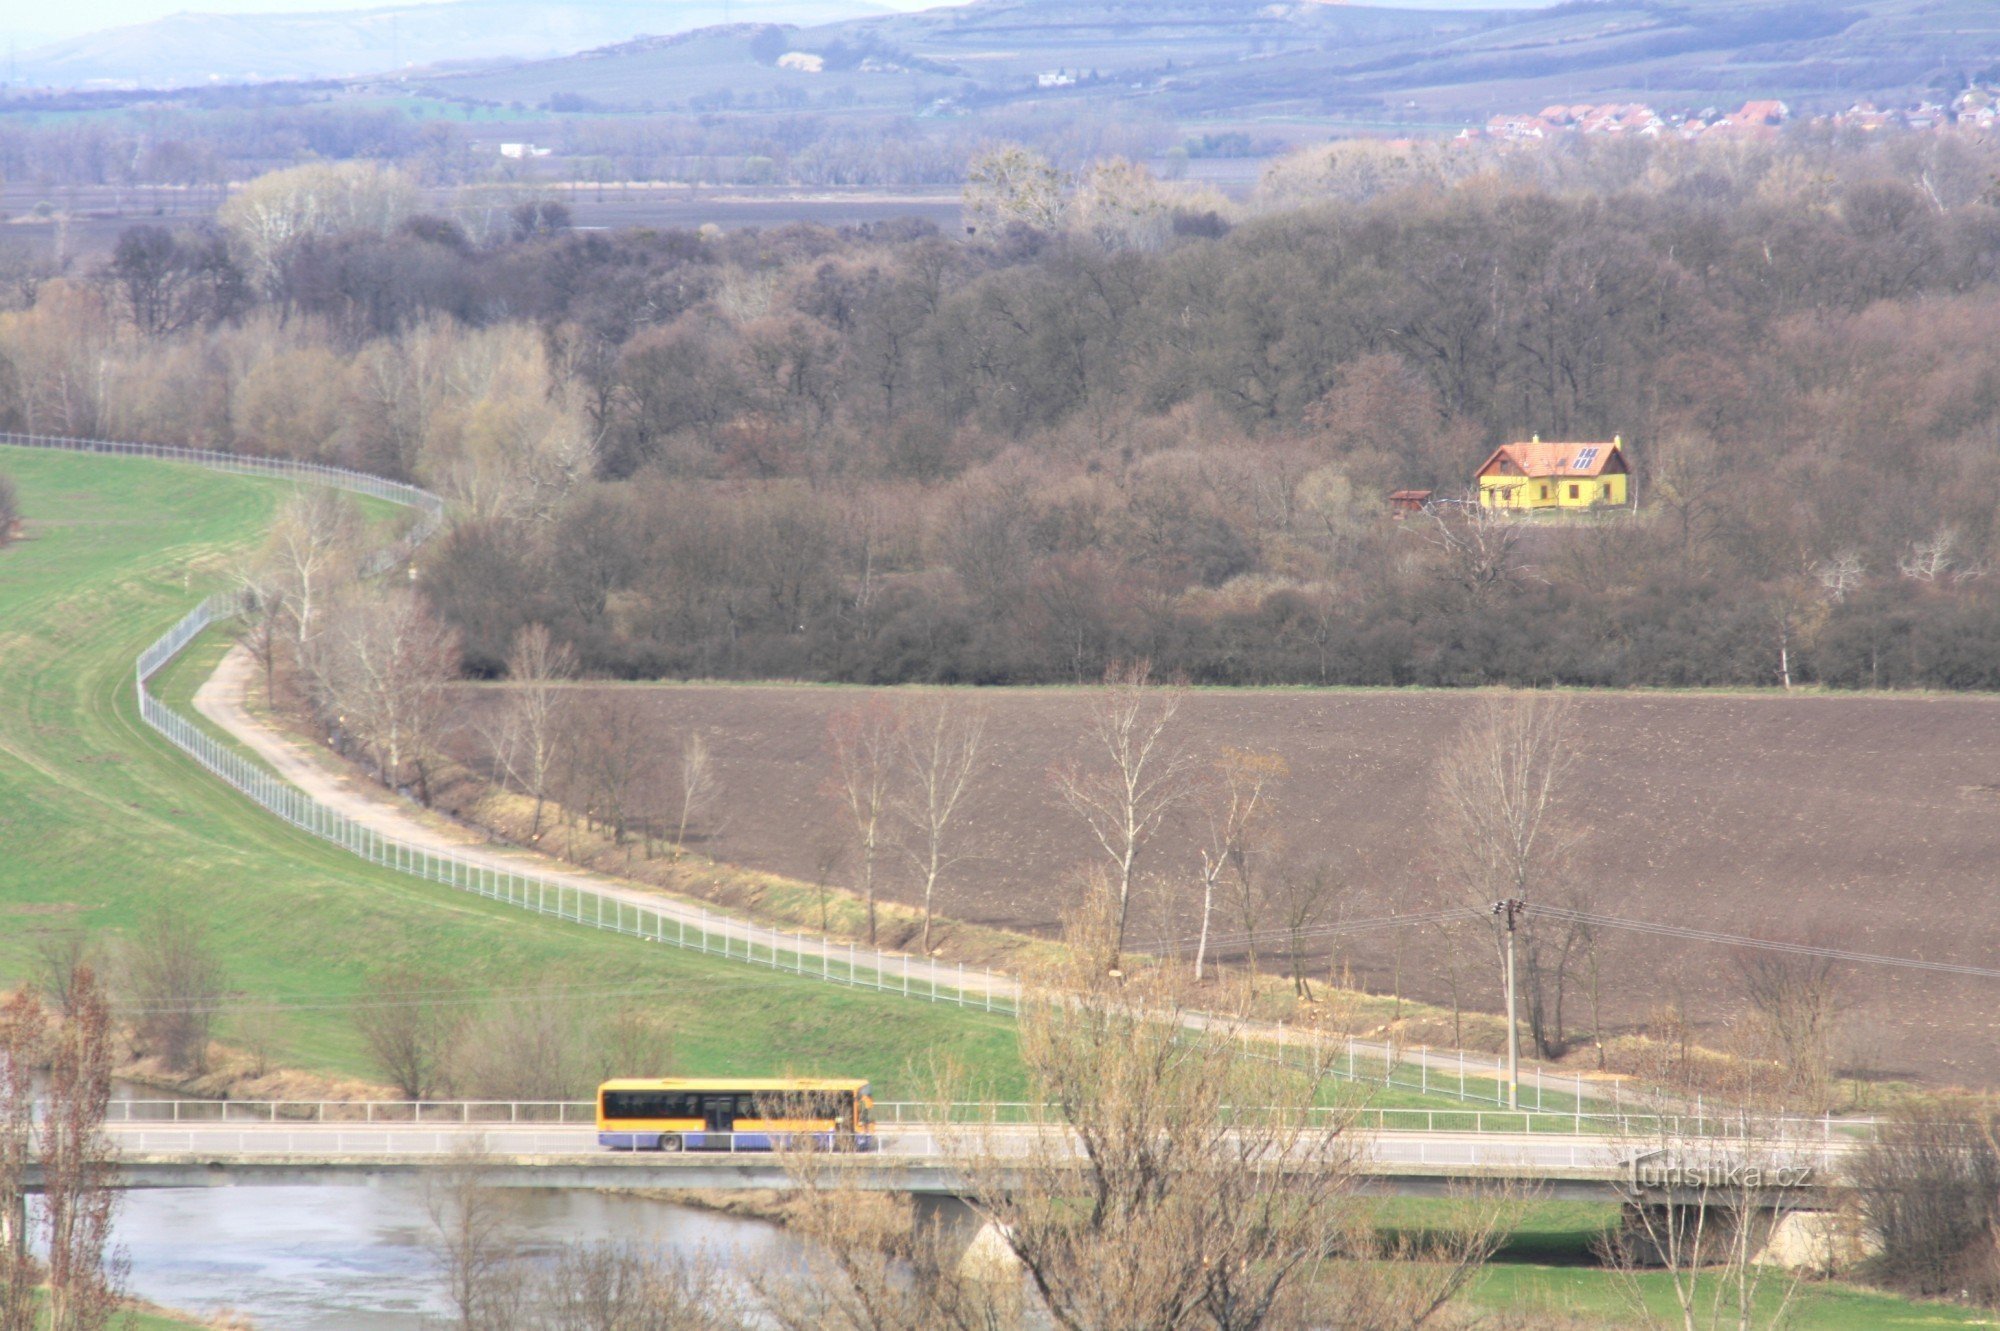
<point>1004,1113</point>
<point>693,928</point>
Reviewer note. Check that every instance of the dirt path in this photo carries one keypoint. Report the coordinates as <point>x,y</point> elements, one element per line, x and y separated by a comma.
<point>221,700</point>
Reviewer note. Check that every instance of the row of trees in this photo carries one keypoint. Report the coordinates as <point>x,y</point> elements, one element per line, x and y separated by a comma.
<point>1103,428</point>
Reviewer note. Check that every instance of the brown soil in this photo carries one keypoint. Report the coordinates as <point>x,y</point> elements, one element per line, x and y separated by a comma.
<point>1867,820</point>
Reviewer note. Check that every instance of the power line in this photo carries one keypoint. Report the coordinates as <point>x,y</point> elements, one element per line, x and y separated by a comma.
<point>1761,944</point>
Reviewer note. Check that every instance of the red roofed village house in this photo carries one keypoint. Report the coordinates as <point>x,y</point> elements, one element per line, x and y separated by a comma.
<point>1537,475</point>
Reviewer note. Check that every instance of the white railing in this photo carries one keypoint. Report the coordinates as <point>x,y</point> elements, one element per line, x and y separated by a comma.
<point>696,929</point>
<point>928,1113</point>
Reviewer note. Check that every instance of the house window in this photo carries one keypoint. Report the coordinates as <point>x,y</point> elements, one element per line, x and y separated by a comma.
<point>1545,492</point>
<point>1574,491</point>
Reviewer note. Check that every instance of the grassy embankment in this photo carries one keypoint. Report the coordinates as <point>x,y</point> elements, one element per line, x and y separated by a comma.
<point>99,819</point>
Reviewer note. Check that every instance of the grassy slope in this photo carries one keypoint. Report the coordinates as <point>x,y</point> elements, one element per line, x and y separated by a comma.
<point>99,818</point>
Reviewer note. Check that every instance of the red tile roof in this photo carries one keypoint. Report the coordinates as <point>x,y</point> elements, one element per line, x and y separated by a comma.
<point>1536,458</point>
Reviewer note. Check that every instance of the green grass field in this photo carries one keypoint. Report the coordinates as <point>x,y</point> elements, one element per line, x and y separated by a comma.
<point>99,819</point>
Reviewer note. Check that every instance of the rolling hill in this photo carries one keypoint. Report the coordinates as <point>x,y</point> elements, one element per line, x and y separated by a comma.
<point>1219,58</point>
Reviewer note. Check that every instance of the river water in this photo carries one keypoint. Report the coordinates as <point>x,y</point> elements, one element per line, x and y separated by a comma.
<point>357,1257</point>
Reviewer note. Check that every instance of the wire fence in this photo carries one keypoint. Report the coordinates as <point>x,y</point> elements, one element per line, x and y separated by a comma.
<point>694,929</point>
<point>1455,1074</point>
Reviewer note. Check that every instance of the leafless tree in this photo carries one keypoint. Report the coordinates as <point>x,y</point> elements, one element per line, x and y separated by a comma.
<point>1706,1232</point>
<point>177,982</point>
<point>1236,805</point>
<point>473,1236</point>
<point>10,509</point>
<point>938,752</point>
<point>391,664</point>
<point>623,1287</point>
<point>1928,1189</point>
<point>610,764</point>
<point>1931,559</point>
<point>546,1044</point>
<point>60,956</point>
<point>23,1038</point>
<point>410,1017</point>
<point>862,744</point>
<point>699,787</point>
<point>1502,831</point>
<point>1306,893</point>
<point>311,548</point>
<point>263,618</point>
<point>528,737</point>
<point>1133,777</point>
<point>1795,1003</point>
<point>1841,574</point>
<point>1480,549</point>
<point>85,1274</point>
<point>1192,1183</point>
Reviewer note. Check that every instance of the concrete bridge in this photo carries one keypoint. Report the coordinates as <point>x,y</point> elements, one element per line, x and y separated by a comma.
<point>919,1159</point>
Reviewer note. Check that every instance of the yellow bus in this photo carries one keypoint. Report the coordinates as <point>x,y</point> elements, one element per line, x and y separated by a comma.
<point>735,1114</point>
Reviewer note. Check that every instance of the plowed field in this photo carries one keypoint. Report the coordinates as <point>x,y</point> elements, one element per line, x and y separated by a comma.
<point>1870,821</point>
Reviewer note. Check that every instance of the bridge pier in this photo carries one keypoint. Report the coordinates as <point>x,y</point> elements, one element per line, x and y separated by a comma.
<point>961,1241</point>
<point>1818,1242</point>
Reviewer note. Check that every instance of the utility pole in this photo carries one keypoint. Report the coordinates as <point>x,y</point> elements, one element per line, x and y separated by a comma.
<point>1508,910</point>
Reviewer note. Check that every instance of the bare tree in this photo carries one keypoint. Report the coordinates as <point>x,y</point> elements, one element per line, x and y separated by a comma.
<point>1236,805</point>
<point>861,744</point>
<point>1840,575</point>
<point>623,1287</point>
<point>23,1036</point>
<point>1306,893</point>
<point>85,1274</point>
<point>1133,777</point>
<point>1928,1188</point>
<point>1698,1213</point>
<point>177,982</point>
<point>1191,1183</point>
<point>611,762</point>
<point>10,509</point>
<point>473,1234</point>
<point>699,787</point>
<point>311,549</point>
<point>1932,559</point>
<point>390,668</point>
<point>60,956</point>
<point>263,617</point>
<point>546,1044</point>
<point>938,751</point>
<point>409,1017</point>
<point>1503,835</point>
<point>528,738</point>
<point>1480,549</point>
<point>1796,1005</point>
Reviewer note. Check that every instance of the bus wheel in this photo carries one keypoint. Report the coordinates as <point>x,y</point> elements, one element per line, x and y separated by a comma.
<point>670,1141</point>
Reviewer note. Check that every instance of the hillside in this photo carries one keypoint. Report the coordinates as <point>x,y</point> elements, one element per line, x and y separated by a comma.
<point>197,48</point>
<point>1196,58</point>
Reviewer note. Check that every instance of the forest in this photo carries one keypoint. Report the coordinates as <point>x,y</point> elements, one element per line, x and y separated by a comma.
<point>1122,417</point>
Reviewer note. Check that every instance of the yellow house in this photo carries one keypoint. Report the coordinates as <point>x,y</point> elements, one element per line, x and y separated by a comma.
<point>1537,475</point>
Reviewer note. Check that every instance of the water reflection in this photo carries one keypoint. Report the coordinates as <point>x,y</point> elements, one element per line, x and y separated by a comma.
<point>353,1257</point>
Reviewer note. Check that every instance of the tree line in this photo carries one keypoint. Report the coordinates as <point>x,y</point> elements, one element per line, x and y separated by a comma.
<point>1119,423</point>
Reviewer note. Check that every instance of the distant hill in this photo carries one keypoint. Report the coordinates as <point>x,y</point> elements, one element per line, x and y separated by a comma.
<point>1254,58</point>
<point>185,49</point>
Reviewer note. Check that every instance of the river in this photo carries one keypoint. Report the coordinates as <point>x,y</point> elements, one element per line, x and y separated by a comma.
<point>356,1257</point>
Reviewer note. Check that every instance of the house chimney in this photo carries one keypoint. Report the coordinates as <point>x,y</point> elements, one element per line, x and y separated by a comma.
<point>1534,439</point>
<point>1618,441</point>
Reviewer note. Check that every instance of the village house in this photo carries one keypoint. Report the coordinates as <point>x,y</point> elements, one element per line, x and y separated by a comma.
<point>1535,475</point>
